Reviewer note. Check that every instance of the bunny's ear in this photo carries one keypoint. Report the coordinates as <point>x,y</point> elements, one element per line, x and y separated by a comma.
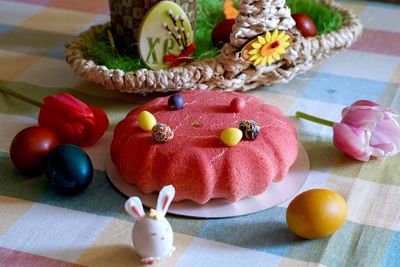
<point>134,207</point>
<point>165,198</point>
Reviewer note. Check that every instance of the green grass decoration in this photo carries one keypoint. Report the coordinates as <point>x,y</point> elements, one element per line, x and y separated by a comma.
<point>99,48</point>
<point>209,14</point>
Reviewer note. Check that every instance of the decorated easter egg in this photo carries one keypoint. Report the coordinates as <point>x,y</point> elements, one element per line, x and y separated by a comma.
<point>176,102</point>
<point>30,147</point>
<point>165,31</point>
<point>231,136</point>
<point>238,104</point>
<point>146,120</point>
<point>162,133</point>
<point>69,169</point>
<point>305,24</point>
<point>250,129</point>
<point>221,33</point>
<point>316,213</point>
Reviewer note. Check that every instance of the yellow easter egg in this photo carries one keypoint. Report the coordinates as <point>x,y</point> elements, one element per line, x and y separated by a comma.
<point>316,213</point>
<point>146,120</point>
<point>231,136</point>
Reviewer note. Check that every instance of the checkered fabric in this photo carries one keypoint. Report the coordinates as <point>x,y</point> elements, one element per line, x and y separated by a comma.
<point>39,227</point>
<point>126,17</point>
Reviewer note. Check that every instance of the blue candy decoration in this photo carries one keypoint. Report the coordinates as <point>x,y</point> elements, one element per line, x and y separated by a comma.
<point>176,102</point>
<point>69,169</point>
<point>250,129</point>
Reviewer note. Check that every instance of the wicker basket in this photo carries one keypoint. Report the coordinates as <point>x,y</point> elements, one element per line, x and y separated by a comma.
<point>228,71</point>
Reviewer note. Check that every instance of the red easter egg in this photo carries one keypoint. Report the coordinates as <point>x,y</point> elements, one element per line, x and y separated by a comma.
<point>30,147</point>
<point>238,104</point>
<point>222,31</point>
<point>305,24</point>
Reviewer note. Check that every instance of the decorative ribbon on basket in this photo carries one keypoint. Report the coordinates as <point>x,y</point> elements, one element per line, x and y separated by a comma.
<point>184,57</point>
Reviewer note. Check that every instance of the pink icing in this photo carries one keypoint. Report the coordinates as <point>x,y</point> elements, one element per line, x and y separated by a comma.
<point>195,161</point>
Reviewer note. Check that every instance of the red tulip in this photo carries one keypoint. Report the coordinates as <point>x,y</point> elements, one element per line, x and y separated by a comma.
<point>73,121</point>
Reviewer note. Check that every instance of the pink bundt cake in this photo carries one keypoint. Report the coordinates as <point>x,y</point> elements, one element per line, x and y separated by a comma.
<point>195,161</point>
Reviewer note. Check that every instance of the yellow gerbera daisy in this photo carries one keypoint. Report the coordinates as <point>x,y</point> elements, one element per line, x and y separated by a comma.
<point>268,48</point>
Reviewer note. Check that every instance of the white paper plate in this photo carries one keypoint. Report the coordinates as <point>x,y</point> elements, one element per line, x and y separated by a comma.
<point>219,208</point>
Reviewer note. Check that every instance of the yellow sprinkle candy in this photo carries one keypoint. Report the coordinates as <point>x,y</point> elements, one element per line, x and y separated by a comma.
<point>146,121</point>
<point>231,136</point>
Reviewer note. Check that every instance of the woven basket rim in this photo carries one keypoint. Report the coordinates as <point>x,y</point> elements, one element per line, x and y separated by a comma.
<point>91,71</point>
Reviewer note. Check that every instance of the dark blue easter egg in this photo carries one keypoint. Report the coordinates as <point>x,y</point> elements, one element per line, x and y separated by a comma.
<point>176,101</point>
<point>69,169</point>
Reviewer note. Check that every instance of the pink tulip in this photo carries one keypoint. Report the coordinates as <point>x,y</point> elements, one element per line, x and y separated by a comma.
<point>367,129</point>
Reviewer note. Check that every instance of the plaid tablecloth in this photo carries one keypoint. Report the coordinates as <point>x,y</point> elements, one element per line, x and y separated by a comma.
<point>39,227</point>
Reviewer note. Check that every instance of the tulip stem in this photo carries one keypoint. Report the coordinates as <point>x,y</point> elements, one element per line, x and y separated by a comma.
<point>20,97</point>
<point>302,115</point>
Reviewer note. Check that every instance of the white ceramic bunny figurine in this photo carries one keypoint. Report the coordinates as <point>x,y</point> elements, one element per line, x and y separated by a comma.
<point>152,234</point>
